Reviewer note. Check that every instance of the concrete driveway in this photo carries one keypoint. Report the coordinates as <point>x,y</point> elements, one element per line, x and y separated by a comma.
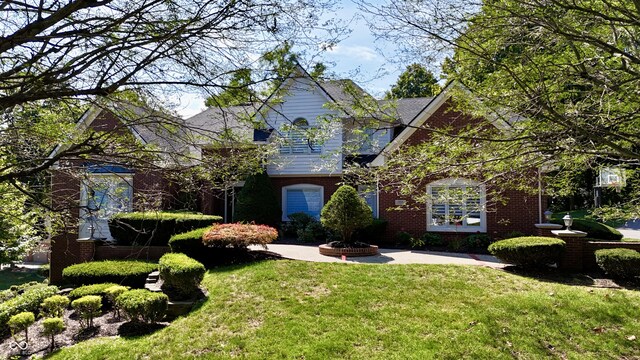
<point>631,229</point>
<point>386,256</point>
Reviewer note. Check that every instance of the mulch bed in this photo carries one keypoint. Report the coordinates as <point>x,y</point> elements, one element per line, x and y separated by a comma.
<point>104,325</point>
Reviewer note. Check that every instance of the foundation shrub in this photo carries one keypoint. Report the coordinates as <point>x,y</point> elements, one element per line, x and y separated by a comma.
<point>124,272</point>
<point>528,251</point>
<point>257,202</point>
<point>619,263</point>
<point>181,275</point>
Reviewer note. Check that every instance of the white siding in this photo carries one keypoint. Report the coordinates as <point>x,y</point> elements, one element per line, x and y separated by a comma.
<point>305,99</point>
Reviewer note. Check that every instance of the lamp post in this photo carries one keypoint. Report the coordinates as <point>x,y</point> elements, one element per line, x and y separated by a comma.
<point>568,221</point>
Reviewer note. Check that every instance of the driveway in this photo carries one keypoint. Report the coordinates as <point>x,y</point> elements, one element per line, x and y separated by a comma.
<point>386,256</point>
<point>631,229</point>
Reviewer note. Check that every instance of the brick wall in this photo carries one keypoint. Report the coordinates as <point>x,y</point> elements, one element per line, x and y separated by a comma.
<point>519,213</point>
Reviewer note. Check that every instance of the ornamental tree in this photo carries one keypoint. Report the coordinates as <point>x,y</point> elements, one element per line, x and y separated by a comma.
<point>346,212</point>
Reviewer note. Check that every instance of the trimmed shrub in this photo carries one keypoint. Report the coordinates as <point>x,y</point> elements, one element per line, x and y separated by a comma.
<point>112,293</point>
<point>304,227</point>
<point>54,306</point>
<point>403,238</point>
<point>87,308</point>
<point>30,301</point>
<point>433,239</point>
<point>52,327</point>
<point>155,228</point>
<point>21,322</point>
<point>239,236</point>
<point>181,275</point>
<point>346,212</point>
<point>372,233</point>
<point>189,243</point>
<point>593,229</point>
<point>143,305</point>
<point>95,289</point>
<point>530,251</point>
<point>476,242</point>
<point>16,290</point>
<point>619,263</point>
<point>125,272</point>
<point>257,202</point>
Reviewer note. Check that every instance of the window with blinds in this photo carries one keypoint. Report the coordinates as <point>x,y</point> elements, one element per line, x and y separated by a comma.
<point>456,207</point>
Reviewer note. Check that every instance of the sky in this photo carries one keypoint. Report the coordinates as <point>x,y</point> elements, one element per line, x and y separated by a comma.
<point>358,57</point>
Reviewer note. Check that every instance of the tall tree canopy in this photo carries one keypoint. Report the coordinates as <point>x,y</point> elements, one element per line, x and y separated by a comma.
<point>561,77</point>
<point>415,81</point>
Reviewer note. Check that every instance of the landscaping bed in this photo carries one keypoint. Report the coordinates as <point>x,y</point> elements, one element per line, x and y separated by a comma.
<point>289,309</point>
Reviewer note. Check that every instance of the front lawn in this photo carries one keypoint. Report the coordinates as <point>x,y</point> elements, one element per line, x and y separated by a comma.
<point>18,276</point>
<point>288,309</point>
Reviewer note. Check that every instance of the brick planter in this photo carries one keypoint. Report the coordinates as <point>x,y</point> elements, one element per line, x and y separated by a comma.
<point>330,251</point>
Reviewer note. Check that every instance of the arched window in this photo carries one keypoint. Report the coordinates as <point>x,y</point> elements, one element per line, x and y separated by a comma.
<point>299,139</point>
<point>456,205</point>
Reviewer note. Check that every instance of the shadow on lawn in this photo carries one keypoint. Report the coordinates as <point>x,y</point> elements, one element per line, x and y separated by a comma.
<point>592,279</point>
<point>235,259</point>
<point>134,329</point>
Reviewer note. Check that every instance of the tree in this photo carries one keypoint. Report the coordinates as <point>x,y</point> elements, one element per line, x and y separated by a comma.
<point>346,212</point>
<point>415,81</point>
<point>238,91</point>
<point>257,202</point>
<point>558,77</point>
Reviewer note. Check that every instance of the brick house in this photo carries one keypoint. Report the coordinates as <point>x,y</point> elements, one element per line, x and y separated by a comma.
<point>311,124</point>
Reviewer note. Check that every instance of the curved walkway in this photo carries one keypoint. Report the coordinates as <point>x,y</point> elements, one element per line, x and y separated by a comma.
<point>386,256</point>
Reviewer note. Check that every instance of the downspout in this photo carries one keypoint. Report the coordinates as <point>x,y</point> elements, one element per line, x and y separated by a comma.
<point>539,196</point>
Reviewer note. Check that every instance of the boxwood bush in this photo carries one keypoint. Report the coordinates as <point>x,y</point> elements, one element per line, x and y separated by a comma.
<point>21,322</point>
<point>54,306</point>
<point>619,263</point>
<point>593,229</point>
<point>155,228</point>
<point>87,307</point>
<point>95,289</point>
<point>143,305</point>
<point>124,272</point>
<point>181,275</point>
<point>528,251</point>
<point>29,300</point>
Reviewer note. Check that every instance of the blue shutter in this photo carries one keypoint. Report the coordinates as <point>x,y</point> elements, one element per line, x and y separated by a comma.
<point>304,200</point>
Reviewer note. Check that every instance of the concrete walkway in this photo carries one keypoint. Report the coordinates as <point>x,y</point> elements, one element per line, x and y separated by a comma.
<point>386,256</point>
<point>631,229</point>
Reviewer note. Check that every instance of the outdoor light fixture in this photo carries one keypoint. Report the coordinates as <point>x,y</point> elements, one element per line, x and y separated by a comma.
<point>568,221</point>
<point>547,215</point>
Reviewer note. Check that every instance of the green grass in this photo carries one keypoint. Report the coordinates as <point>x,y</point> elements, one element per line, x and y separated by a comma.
<point>8,278</point>
<point>287,309</point>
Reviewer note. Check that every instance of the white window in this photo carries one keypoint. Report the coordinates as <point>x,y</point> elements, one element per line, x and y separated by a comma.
<point>299,139</point>
<point>456,205</point>
<point>101,196</point>
<point>304,198</point>
<point>370,195</point>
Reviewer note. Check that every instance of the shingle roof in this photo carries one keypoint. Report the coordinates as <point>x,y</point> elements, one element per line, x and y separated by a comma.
<point>215,121</point>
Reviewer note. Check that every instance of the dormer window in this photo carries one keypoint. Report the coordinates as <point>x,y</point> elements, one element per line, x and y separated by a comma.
<point>299,139</point>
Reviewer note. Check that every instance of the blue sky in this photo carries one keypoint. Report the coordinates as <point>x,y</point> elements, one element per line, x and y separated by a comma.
<point>358,57</point>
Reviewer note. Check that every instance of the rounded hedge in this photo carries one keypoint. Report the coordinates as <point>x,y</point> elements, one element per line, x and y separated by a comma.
<point>21,322</point>
<point>124,272</point>
<point>619,263</point>
<point>594,229</point>
<point>87,308</point>
<point>189,243</point>
<point>239,236</point>
<point>181,275</point>
<point>528,251</point>
<point>54,306</point>
<point>155,228</point>
<point>143,304</point>
<point>95,289</point>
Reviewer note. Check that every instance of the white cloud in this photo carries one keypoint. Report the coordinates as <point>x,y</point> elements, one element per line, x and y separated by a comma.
<point>364,53</point>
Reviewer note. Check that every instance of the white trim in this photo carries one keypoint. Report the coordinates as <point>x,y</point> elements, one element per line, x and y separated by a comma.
<point>462,228</point>
<point>299,187</point>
